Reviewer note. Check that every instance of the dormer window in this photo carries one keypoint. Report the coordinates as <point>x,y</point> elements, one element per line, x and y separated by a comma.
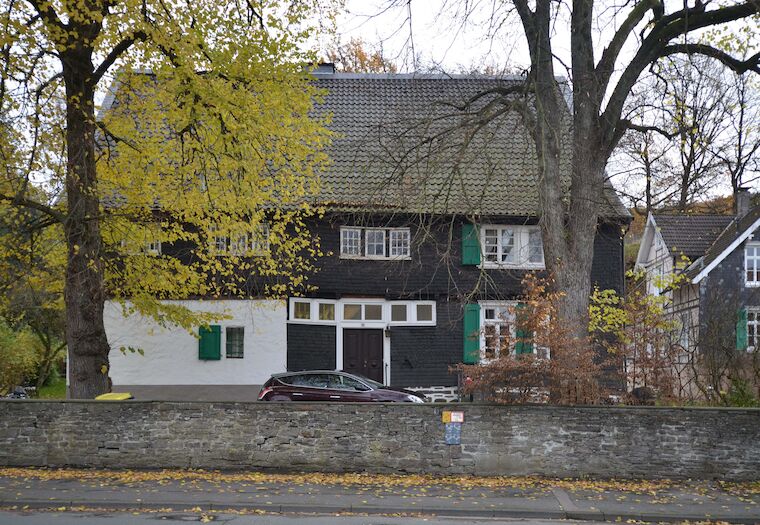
<point>374,243</point>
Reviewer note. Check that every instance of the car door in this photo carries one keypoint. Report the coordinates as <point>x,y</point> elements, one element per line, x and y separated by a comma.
<point>349,388</point>
<point>314,387</point>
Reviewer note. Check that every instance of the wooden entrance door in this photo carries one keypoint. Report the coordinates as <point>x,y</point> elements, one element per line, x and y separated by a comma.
<point>363,352</point>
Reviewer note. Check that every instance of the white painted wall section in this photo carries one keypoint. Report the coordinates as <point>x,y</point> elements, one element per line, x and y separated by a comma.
<point>171,354</point>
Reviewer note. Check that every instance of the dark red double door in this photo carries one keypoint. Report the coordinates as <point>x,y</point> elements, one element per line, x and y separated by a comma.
<point>363,352</point>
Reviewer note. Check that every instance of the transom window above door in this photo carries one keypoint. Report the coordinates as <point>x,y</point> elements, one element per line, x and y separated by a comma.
<point>349,311</point>
<point>512,246</point>
<point>375,243</point>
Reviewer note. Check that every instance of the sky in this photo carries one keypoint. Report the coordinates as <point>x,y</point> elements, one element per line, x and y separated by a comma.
<point>428,34</point>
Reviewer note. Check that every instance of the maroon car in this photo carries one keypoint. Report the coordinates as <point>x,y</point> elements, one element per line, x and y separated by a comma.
<point>328,385</point>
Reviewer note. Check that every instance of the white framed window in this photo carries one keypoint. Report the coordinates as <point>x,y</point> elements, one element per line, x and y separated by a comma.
<point>302,310</point>
<point>234,341</point>
<point>375,243</point>
<point>399,243</point>
<point>497,321</point>
<point>315,311</point>
<point>422,313</point>
<point>379,312</point>
<point>512,246</point>
<point>146,240</point>
<point>752,264</point>
<point>326,312</point>
<point>249,243</point>
<point>753,328</point>
<point>398,313</point>
<point>350,242</point>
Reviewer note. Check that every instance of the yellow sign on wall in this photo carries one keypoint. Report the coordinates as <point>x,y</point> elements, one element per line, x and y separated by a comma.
<point>452,417</point>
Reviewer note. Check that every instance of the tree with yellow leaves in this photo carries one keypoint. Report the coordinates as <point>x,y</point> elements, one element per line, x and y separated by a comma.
<point>209,139</point>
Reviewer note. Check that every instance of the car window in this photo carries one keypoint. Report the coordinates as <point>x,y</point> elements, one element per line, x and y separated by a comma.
<point>341,382</point>
<point>315,380</point>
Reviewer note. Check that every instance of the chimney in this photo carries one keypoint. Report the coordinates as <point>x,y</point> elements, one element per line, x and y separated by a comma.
<point>742,201</point>
<point>324,68</point>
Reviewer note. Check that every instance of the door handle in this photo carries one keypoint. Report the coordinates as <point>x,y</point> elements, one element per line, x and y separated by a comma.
<point>297,394</point>
<point>334,397</point>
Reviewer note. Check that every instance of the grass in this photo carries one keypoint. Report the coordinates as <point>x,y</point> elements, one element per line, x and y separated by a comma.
<point>55,390</point>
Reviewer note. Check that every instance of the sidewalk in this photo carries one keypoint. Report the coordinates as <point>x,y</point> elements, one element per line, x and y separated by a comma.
<point>328,494</point>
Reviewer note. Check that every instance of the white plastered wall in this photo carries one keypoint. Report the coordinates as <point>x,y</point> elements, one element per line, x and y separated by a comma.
<point>171,354</point>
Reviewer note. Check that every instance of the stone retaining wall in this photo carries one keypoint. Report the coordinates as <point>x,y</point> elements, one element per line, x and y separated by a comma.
<point>624,442</point>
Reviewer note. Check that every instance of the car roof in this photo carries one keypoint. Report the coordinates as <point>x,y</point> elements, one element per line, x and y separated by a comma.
<point>300,372</point>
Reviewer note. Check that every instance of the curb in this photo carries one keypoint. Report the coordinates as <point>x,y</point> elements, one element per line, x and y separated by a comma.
<point>370,510</point>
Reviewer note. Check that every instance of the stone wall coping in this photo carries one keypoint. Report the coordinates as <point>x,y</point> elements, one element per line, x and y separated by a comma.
<point>415,406</point>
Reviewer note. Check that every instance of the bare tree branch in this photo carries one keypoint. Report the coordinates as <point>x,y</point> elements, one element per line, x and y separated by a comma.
<point>118,50</point>
<point>736,65</point>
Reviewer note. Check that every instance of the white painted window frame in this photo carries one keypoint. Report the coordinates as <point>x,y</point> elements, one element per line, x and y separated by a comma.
<point>385,320</point>
<point>366,236</point>
<point>226,327</point>
<point>247,240</point>
<point>521,239</point>
<point>756,260</point>
<point>752,340</point>
<point>406,243</point>
<point>344,231</point>
<point>499,305</point>
<point>363,251</point>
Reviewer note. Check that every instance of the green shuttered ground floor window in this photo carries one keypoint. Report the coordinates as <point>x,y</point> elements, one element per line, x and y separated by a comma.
<point>210,343</point>
<point>489,327</point>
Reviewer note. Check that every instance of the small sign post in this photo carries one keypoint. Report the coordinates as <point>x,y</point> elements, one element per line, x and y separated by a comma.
<point>452,422</point>
<point>453,433</point>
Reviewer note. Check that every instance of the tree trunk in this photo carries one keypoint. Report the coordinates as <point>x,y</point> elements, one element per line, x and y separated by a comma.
<point>84,290</point>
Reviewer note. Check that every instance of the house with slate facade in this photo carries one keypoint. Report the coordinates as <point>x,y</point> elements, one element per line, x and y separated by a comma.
<point>425,249</point>
<point>716,302</point>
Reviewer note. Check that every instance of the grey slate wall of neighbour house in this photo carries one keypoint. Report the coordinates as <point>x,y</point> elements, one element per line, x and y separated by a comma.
<point>722,294</point>
<point>421,356</point>
<point>310,347</point>
<point>619,442</point>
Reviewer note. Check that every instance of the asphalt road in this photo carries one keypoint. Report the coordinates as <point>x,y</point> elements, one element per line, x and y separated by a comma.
<point>74,518</point>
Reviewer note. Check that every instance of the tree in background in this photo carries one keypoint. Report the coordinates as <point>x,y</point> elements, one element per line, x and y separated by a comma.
<point>217,136</point>
<point>355,57</point>
<point>603,71</point>
<point>31,286</point>
<point>699,130</point>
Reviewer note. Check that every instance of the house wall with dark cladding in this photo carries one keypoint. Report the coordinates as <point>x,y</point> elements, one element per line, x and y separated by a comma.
<point>435,269</point>
<point>421,356</point>
<point>619,442</point>
<point>311,347</point>
<point>722,294</point>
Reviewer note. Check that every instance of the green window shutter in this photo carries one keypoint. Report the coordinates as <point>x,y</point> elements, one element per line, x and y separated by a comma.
<point>524,344</point>
<point>741,330</point>
<point>472,333</point>
<point>210,343</point>
<point>470,245</point>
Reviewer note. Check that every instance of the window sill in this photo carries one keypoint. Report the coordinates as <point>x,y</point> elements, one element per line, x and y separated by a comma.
<point>497,266</point>
<point>374,258</point>
<point>752,284</point>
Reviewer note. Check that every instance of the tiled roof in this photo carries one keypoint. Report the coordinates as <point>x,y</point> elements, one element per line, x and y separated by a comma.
<point>691,235</point>
<point>401,146</point>
<point>731,233</point>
